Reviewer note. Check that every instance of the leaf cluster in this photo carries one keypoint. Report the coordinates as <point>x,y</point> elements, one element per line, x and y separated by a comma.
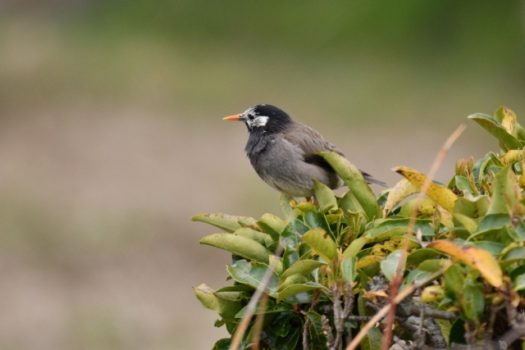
<point>465,255</point>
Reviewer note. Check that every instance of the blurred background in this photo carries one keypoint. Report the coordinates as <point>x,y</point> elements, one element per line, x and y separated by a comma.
<point>111,138</point>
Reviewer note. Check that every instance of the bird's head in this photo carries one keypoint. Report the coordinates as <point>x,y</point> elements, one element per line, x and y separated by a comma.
<point>262,117</point>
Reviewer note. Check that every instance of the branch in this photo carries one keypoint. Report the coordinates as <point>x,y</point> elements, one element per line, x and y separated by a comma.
<point>398,278</point>
<point>252,305</point>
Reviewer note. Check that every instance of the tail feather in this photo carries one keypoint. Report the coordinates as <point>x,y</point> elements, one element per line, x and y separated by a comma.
<point>372,180</point>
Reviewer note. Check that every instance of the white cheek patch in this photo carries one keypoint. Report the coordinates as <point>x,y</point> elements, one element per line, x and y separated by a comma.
<point>260,121</point>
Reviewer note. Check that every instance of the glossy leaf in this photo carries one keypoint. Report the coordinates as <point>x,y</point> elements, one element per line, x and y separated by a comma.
<point>519,283</point>
<point>420,255</point>
<point>389,228</point>
<point>372,340</point>
<point>272,225</point>
<point>355,247</point>
<point>515,254</point>
<point>507,141</point>
<point>440,194</point>
<point>454,280</point>
<point>225,306</point>
<point>400,191</point>
<point>303,267</point>
<point>473,302</point>
<point>504,191</point>
<point>252,274</point>
<point>321,243</point>
<point>294,289</point>
<point>238,245</point>
<point>475,257</point>
<point>349,269</point>
<point>390,263</point>
<point>226,222</point>
<point>260,237</point>
<point>325,197</point>
<point>353,178</point>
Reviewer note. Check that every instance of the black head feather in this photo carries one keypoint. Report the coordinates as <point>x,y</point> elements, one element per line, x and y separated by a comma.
<point>277,119</point>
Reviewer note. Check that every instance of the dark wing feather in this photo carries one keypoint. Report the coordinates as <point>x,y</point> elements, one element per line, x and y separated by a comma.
<point>311,143</point>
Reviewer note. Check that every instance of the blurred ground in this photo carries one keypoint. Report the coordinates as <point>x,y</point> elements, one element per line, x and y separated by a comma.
<point>111,139</point>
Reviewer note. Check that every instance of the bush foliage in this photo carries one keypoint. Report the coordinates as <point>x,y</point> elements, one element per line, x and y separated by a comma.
<point>463,256</point>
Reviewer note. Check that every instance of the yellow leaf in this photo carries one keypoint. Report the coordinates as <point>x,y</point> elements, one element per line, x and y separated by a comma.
<point>399,192</point>
<point>475,257</point>
<point>440,194</point>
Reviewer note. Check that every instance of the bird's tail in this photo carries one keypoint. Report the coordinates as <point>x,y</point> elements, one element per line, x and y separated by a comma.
<point>372,180</point>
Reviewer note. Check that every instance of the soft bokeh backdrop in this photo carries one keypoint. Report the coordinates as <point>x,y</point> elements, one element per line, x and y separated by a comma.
<point>111,138</point>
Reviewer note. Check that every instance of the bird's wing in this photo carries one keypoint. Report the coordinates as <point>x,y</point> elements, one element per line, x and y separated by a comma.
<point>309,141</point>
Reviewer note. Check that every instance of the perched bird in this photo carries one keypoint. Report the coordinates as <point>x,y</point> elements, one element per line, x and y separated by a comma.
<point>285,153</point>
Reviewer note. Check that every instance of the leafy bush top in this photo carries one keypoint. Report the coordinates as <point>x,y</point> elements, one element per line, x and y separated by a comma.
<point>340,254</point>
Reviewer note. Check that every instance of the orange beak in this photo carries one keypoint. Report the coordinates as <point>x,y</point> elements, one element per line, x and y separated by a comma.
<point>233,117</point>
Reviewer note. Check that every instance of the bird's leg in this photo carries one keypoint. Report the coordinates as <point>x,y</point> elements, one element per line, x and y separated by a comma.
<point>311,199</point>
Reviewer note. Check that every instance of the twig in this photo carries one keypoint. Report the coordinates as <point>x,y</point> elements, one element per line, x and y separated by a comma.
<point>306,325</point>
<point>349,305</point>
<point>381,313</point>
<point>398,278</point>
<point>420,339</point>
<point>259,321</point>
<point>327,331</point>
<point>338,317</point>
<point>252,305</point>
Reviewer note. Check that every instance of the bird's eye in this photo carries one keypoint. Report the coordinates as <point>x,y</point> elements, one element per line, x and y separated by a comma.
<point>250,116</point>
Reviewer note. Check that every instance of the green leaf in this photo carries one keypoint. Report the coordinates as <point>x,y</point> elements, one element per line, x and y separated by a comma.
<point>390,263</point>
<point>372,340</point>
<point>222,344</point>
<point>454,280</point>
<point>321,243</point>
<point>238,245</point>
<point>316,335</point>
<point>515,254</point>
<point>353,178</point>
<point>226,222</point>
<point>294,289</point>
<point>463,185</point>
<point>473,302</point>
<point>457,332</point>
<point>519,283</point>
<point>355,247</point>
<point>348,269</point>
<point>474,208</point>
<point>302,267</point>
<point>325,197</point>
<point>419,255</point>
<point>434,265</point>
<point>504,192</point>
<point>465,221</point>
<point>260,237</point>
<point>222,304</point>
<point>489,123</point>
<point>388,228</point>
<point>272,225</point>
<point>493,222</point>
<point>252,274</point>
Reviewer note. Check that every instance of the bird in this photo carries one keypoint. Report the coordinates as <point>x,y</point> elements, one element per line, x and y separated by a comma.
<point>285,153</point>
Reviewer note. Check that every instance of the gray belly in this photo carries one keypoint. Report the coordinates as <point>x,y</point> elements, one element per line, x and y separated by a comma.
<point>286,171</point>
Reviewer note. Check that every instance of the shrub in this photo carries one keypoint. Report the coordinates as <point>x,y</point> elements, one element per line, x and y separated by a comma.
<point>460,257</point>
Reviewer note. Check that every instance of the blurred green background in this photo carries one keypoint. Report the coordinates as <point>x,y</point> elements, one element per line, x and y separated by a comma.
<point>111,138</point>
